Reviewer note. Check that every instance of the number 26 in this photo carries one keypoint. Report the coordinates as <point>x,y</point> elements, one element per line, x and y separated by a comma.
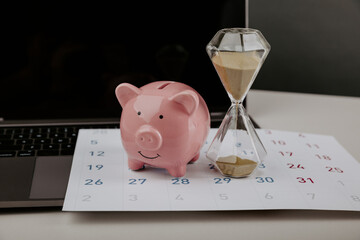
<point>91,182</point>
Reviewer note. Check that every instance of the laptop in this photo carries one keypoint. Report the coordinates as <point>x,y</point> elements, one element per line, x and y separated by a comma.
<point>59,69</point>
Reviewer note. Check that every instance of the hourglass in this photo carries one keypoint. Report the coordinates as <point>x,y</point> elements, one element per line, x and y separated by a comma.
<point>237,55</point>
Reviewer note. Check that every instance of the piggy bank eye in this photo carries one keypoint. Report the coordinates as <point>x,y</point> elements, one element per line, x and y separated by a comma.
<point>139,113</point>
<point>161,116</point>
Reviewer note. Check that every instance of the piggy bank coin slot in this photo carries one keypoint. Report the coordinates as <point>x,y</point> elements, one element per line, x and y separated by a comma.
<point>162,86</point>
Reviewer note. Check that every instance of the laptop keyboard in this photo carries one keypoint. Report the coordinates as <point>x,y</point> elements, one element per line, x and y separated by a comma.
<point>41,141</point>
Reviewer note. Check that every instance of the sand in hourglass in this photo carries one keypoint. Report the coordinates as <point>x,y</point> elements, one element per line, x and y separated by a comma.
<point>235,166</point>
<point>236,70</point>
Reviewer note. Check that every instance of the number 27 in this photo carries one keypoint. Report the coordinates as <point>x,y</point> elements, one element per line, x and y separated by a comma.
<point>134,181</point>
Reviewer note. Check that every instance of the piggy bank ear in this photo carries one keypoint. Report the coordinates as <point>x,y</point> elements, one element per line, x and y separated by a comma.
<point>125,91</point>
<point>187,99</point>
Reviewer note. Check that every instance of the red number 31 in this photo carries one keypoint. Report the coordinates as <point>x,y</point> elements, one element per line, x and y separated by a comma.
<point>305,180</point>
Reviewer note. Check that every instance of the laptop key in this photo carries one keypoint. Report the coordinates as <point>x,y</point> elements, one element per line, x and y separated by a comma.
<point>50,130</point>
<point>10,147</point>
<point>57,135</point>
<point>42,141</point>
<point>32,146</point>
<point>6,142</point>
<point>7,153</point>
<point>39,135</point>
<point>72,135</point>
<point>68,146</point>
<point>24,141</point>
<point>65,129</point>
<point>21,136</point>
<point>51,146</point>
<point>27,153</point>
<point>14,130</point>
<point>48,152</point>
<point>61,140</point>
<point>67,151</point>
<point>32,130</point>
<point>5,136</point>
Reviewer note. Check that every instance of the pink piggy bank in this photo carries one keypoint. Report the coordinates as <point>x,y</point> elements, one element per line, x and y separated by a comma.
<point>163,124</point>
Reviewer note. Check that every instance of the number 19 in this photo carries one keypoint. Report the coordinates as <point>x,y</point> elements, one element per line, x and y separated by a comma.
<point>97,167</point>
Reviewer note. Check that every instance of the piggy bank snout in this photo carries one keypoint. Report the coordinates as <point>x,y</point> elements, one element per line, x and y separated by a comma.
<point>148,138</point>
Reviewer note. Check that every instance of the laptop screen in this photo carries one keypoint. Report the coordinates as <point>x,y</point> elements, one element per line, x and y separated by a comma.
<point>65,61</point>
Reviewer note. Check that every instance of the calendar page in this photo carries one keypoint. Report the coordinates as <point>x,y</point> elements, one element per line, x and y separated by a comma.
<point>301,171</point>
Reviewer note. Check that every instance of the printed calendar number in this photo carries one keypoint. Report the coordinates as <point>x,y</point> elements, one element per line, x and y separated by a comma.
<point>341,182</point>
<point>262,165</point>
<point>279,142</point>
<point>180,181</point>
<point>139,181</point>
<point>133,197</point>
<point>264,179</point>
<point>325,157</point>
<point>100,132</point>
<point>334,169</point>
<point>94,142</point>
<point>269,196</point>
<point>305,180</point>
<point>312,195</point>
<point>225,180</point>
<point>247,152</point>
<point>295,166</point>
<point>301,135</point>
<point>355,198</point>
<point>223,196</point>
<point>86,198</point>
<point>312,145</point>
<point>95,167</point>
<point>93,182</point>
<point>286,154</point>
<point>179,197</point>
<point>211,166</point>
<point>97,153</point>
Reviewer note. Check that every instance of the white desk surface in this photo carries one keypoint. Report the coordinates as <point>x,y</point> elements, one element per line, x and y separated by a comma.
<point>330,115</point>
<point>338,116</point>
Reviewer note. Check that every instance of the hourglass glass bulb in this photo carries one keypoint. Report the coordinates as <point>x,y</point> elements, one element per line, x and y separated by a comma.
<point>237,55</point>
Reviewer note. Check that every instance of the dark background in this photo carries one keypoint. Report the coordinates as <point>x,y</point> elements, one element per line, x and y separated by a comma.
<point>62,60</point>
<point>315,45</point>
<point>65,60</point>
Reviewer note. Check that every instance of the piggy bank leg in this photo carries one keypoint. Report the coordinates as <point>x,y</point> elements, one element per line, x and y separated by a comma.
<point>178,171</point>
<point>135,164</point>
<point>195,158</point>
